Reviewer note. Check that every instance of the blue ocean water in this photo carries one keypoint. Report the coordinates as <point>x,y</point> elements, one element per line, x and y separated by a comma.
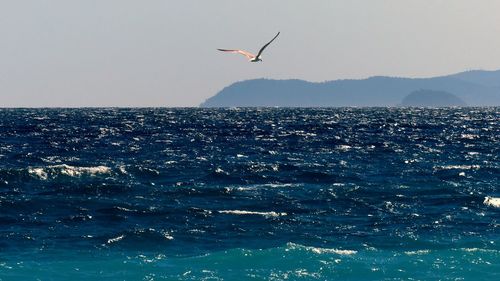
<point>249,194</point>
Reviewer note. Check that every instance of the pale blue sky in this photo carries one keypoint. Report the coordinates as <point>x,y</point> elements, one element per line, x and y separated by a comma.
<point>163,52</point>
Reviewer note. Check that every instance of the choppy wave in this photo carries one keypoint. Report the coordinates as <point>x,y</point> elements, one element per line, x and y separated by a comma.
<point>273,194</point>
<point>115,239</point>
<point>458,167</point>
<point>318,250</point>
<point>418,252</point>
<point>492,201</point>
<point>242,212</point>
<point>288,262</point>
<point>67,170</point>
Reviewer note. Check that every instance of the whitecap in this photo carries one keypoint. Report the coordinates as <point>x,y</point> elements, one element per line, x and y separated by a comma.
<point>242,212</point>
<point>73,171</point>
<point>492,201</point>
<point>419,252</point>
<point>125,209</point>
<point>332,251</point>
<point>343,147</point>
<point>167,235</point>
<point>479,250</point>
<point>279,185</point>
<point>122,169</point>
<point>318,250</point>
<point>39,172</point>
<point>116,239</point>
<point>469,136</point>
<point>242,188</point>
<point>458,167</point>
<point>67,170</point>
<point>40,118</point>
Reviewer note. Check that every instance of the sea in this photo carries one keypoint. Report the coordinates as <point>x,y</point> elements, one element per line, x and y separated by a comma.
<point>250,194</point>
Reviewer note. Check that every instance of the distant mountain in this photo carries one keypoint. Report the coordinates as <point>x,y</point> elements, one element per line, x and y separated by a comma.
<point>474,88</point>
<point>430,98</point>
<point>481,77</point>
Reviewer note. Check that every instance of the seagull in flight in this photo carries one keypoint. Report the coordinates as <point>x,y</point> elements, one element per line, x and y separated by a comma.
<point>251,57</point>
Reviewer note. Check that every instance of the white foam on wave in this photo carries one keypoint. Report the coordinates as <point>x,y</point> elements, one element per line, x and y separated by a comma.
<point>479,250</point>
<point>332,251</point>
<point>260,186</point>
<point>343,147</point>
<point>419,252</point>
<point>167,235</point>
<point>116,239</point>
<point>73,171</point>
<point>122,169</point>
<point>458,167</point>
<point>219,171</point>
<point>38,172</point>
<point>242,212</point>
<point>492,201</point>
<point>251,188</point>
<point>280,185</point>
<point>469,136</point>
<point>67,170</point>
<point>125,209</point>
<point>319,251</point>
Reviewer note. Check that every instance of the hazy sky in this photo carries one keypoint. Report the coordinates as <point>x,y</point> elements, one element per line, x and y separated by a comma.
<point>163,52</point>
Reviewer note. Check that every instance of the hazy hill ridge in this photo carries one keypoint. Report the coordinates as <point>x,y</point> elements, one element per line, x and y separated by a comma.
<point>474,88</point>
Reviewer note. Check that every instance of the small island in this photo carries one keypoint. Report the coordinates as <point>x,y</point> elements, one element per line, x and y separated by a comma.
<point>430,98</point>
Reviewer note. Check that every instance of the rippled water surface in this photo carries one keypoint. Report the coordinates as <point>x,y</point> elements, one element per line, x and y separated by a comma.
<point>250,194</point>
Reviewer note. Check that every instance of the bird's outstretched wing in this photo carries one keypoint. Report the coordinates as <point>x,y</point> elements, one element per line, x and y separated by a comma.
<point>265,46</point>
<point>245,53</point>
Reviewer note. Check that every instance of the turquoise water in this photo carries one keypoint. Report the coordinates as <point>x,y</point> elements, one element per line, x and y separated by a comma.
<point>289,262</point>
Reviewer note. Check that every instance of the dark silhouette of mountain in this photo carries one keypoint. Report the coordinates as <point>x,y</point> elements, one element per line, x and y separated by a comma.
<point>475,88</point>
<point>429,98</point>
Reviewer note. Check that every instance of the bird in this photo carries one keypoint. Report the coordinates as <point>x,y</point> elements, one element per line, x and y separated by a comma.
<point>251,57</point>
